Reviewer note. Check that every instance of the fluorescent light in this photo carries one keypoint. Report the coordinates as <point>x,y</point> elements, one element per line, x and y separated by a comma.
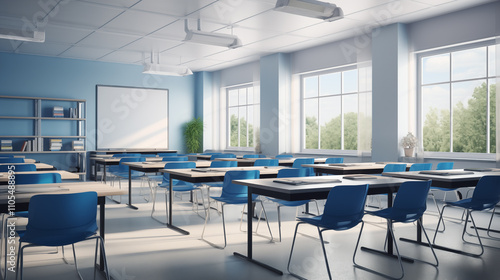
<point>18,35</point>
<point>209,38</point>
<point>167,70</point>
<point>310,8</point>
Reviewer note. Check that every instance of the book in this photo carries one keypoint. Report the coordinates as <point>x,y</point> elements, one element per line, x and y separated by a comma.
<point>78,145</point>
<point>6,145</point>
<point>55,144</point>
<point>25,146</point>
<point>58,112</point>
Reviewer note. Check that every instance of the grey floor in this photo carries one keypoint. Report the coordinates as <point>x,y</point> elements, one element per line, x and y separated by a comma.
<point>138,247</point>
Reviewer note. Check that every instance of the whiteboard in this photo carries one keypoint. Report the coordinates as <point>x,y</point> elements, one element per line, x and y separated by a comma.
<point>131,118</point>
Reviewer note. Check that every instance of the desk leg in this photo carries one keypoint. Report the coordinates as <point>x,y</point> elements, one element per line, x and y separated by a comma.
<point>170,201</point>
<point>130,190</point>
<point>249,256</point>
<point>101,201</point>
<point>104,173</point>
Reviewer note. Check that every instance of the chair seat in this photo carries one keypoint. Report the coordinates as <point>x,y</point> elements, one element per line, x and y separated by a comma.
<point>175,183</point>
<point>442,189</point>
<point>56,239</point>
<point>469,204</point>
<point>332,223</point>
<point>231,200</point>
<point>405,216</point>
<point>134,174</point>
<point>289,203</point>
<point>214,185</point>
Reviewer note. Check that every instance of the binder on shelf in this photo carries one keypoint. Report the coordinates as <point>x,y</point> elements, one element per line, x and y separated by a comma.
<point>78,145</point>
<point>6,145</point>
<point>58,112</point>
<point>73,113</point>
<point>25,145</point>
<point>55,144</point>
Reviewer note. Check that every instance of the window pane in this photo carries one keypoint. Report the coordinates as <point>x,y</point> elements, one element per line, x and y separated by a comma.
<point>365,78</point>
<point>243,126</point>
<point>250,127</point>
<point>250,95</point>
<point>233,127</point>
<point>436,69</point>
<point>491,61</point>
<point>232,97</point>
<point>350,110</point>
<point>493,116</point>
<point>311,123</point>
<point>256,95</point>
<point>469,64</point>
<point>311,86</point>
<point>469,116</point>
<point>330,122</point>
<point>350,81</point>
<point>436,118</point>
<point>242,96</point>
<point>329,84</point>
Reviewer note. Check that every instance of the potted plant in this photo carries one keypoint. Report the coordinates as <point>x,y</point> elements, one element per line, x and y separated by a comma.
<point>193,134</point>
<point>409,142</point>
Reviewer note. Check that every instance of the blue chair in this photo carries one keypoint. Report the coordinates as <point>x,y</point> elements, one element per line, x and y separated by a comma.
<point>262,156</point>
<point>344,209</point>
<point>176,158</point>
<point>120,171</point>
<point>18,167</point>
<point>162,155</point>
<point>61,219</point>
<point>210,153</point>
<point>266,162</point>
<point>11,160</point>
<point>334,160</point>
<point>216,156</point>
<point>409,206</point>
<point>486,195</point>
<point>126,155</point>
<point>297,163</point>
<point>6,156</point>
<point>287,173</point>
<point>177,185</point>
<point>443,166</point>
<point>395,167</point>
<point>38,178</point>
<point>251,156</point>
<point>234,194</point>
<point>283,156</point>
<point>223,164</point>
<point>147,155</point>
<point>420,167</point>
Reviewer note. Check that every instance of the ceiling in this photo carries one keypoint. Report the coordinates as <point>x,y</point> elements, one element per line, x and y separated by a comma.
<point>127,31</point>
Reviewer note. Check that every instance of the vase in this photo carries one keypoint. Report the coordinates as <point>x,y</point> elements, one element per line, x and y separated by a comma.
<point>409,152</point>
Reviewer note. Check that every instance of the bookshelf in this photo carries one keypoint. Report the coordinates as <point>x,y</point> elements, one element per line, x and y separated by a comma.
<point>34,124</point>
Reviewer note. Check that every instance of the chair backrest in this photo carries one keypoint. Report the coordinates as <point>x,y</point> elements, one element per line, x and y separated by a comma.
<point>344,207</point>
<point>6,156</point>
<point>444,165</point>
<point>167,155</point>
<point>395,167</point>
<point>222,156</point>
<point>251,156</point>
<point>11,160</point>
<point>148,155</point>
<point>283,156</point>
<point>262,156</point>
<point>38,178</point>
<point>297,163</point>
<point>177,165</point>
<point>487,192</point>
<point>334,160</point>
<point>266,162</point>
<point>123,167</point>
<point>18,167</point>
<point>291,172</point>
<point>223,163</point>
<point>61,219</point>
<point>126,155</point>
<point>176,158</point>
<point>237,191</point>
<point>410,202</point>
<point>420,166</point>
<point>210,153</point>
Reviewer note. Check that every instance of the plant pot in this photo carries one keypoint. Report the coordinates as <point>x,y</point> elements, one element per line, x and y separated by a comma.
<point>408,152</point>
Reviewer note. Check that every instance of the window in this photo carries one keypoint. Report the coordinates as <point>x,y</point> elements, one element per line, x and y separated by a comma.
<point>458,104</point>
<point>243,107</point>
<point>330,109</point>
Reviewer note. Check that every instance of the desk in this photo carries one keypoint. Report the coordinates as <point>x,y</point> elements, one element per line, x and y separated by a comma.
<point>449,179</point>
<point>23,198</point>
<point>352,168</point>
<point>214,175</point>
<point>150,167</point>
<point>65,175</point>
<point>282,161</point>
<point>267,187</point>
<point>109,160</point>
<point>39,166</point>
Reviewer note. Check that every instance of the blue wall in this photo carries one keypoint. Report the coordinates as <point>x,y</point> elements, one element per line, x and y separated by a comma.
<point>38,76</point>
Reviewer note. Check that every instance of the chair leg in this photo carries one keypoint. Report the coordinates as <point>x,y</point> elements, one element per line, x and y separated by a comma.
<point>105,261</point>
<point>76,264</point>
<point>279,220</point>
<point>324,253</point>
<point>153,209</point>
<point>291,252</point>
<point>428,241</point>
<point>489,224</point>
<point>267,220</point>
<point>223,228</point>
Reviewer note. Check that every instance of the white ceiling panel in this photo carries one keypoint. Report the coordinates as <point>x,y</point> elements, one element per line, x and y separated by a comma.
<point>278,21</point>
<point>248,35</point>
<point>148,44</point>
<point>86,53</point>
<point>173,7</point>
<point>232,54</point>
<point>138,23</point>
<point>325,28</point>
<point>195,50</point>
<point>232,63</point>
<point>22,8</point>
<point>115,3</point>
<point>9,45</point>
<point>64,34</point>
<point>230,12</point>
<point>129,57</point>
<point>386,14</point>
<point>110,39</point>
<point>350,7</point>
<point>83,14</point>
<point>47,49</point>
<point>201,63</point>
<point>277,42</point>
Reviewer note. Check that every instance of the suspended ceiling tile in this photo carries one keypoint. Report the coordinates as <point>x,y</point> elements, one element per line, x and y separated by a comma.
<point>138,23</point>
<point>82,14</point>
<point>248,36</point>
<point>172,8</point>
<point>9,45</point>
<point>107,40</point>
<point>276,42</point>
<point>326,28</point>
<point>201,63</point>
<point>47,49</point>
<point>85,53</point>
<point>148,44</point>
<point>231,11</point>
<point>387,13</point>
<point>228,64</point>
<point>232,54</point>
<point>349,6</point>
<point>63,34</point>
<point>29,9</point>
<point>123,57</point>
<point>195,50</point>
<point>278,21</point>
<point>115,3</point>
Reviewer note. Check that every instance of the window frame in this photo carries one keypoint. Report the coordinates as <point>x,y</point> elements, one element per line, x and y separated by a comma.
<point>490,42</point>
<point>228,117</point>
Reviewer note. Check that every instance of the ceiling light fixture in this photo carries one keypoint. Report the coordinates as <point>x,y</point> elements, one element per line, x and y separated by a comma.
<point>209,38</point>
<point>25,35</point>
<point>310,8</point>
<point>167,70</point>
